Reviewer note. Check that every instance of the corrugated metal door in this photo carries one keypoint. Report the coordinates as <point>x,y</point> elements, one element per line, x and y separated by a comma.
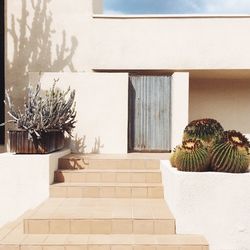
<point>149,113</point>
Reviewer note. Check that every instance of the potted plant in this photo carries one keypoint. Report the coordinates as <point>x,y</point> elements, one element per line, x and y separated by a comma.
<point>45,118</point>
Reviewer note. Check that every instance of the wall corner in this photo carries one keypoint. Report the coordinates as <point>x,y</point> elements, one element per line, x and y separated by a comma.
<point>97,6</point>
<point>179,106</point>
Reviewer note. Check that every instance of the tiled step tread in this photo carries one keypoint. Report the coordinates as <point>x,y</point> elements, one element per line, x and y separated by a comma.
<point>99,226</point>
<point>109,170</point>
<point>104,184</point>
<point>110,161</point>
<point>118,176</point>
<point>111,190</point>
<point>106,190</point>
<point>16,240</point>
<point>89,208</point>
<point>130,156</point>
<point>102,216</point>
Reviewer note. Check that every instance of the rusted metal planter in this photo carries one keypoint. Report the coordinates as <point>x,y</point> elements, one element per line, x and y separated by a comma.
<point>50,141</point>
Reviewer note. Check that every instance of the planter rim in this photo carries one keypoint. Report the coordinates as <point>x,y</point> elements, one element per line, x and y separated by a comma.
<point>25,130</point>
<point>166,163</point>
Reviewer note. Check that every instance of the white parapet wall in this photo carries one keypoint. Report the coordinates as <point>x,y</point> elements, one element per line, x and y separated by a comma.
<point>216,205</point>
<point>25,181</point>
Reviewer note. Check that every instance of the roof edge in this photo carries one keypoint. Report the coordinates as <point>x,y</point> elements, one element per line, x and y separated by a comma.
<point>169,16</point>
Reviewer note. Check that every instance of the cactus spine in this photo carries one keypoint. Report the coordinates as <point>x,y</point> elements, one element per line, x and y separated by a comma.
<point>192,156</point>
<point>231,154</point>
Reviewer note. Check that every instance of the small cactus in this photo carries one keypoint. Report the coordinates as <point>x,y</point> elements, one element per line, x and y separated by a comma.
<point>209,131</point>
<point>192,156</point>
<point>231,154</point>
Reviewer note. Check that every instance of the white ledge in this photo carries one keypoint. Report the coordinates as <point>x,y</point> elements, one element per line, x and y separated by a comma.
<point>169,16</point>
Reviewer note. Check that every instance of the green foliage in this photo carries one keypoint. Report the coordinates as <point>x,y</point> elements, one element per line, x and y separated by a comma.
<point>209,131</point>
<point>52,110</point>
<point>231,154</point>
<point>191,156</point>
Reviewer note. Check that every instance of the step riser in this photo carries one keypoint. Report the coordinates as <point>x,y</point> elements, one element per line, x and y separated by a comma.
<point>118,246</point>
<point>107,192</point>
<point>102,226</point>
<point>107,177</point>
<point>108,164</point>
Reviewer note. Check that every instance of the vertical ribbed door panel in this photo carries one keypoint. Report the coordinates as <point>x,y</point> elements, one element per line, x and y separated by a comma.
<point>149,113</point>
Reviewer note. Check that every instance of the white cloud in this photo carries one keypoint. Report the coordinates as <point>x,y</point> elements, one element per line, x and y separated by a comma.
<point>120,7</point>
<point>113,12</point>
<point>226,6</point>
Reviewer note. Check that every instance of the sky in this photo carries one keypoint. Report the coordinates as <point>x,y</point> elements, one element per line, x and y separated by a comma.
<point>177,6</point>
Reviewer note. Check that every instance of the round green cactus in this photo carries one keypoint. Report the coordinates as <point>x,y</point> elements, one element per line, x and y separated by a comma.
<point>231,154</point>
<point>192,156</point>
<point>209,131</point>
<point>173,156</point>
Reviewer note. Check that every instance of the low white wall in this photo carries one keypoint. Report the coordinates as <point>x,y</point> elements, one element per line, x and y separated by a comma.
<point>179,106</point>
<point>216,205</point>
<point>24,182</point>
<point>102,109</point>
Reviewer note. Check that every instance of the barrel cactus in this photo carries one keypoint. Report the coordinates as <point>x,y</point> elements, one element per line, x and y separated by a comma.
<point>173,156</point>
<point>192,156</point>
<point>209,131</point>
<point>231,154</point>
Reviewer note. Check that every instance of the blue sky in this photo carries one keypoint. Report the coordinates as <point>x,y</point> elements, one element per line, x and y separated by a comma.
<point>177,6</point>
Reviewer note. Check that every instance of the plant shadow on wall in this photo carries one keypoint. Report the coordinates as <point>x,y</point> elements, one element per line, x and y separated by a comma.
<point>97,146</point>
<point>33,46</point>
<point>78,145</point>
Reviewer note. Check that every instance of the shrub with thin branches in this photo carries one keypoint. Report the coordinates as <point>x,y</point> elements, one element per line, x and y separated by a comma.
<point>54,110</point>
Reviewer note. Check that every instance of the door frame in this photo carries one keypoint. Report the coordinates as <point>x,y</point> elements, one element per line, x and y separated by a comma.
<point>131,118</point>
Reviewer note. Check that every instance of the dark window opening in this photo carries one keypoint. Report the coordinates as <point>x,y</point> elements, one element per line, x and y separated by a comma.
<point>2,71</point>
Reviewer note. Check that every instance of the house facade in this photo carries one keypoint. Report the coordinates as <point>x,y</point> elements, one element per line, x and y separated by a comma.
<point>139,79</point>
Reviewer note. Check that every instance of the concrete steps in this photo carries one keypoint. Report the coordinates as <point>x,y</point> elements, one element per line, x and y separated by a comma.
<point>101,203</point>
<point>106,190</point>
<point>109,175</point>
<point>105,242</point>
<point>107,162</point>
<point>102,216</point>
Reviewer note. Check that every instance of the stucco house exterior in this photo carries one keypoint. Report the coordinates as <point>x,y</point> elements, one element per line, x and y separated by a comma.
<point>139,80</point>
<point>205,56</point>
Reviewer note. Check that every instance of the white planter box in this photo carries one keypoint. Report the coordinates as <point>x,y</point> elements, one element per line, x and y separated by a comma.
<point>216,205</point>
<point>24,182</point>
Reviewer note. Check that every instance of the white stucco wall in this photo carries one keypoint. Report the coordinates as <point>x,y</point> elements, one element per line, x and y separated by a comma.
<point>102,109</point>
<point>166,43</point>
<point>216,205</point>
<point>146,42</point>
<point>179,106</point>
<point>24,182</point>
<point>227,100</point>
<point>171,42</point>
